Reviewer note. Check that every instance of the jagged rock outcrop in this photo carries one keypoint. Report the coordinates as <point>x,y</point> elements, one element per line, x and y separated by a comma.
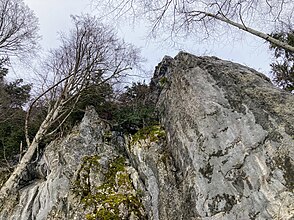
<point>230,138</point>
<point>224,150</point>
<point>77,176</point>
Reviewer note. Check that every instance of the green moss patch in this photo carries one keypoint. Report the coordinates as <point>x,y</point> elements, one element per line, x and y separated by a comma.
<point>115,198</point>
<point>82,185</point>
<point>107,136</point>
<point>154,133</point>
<point>162,81</point>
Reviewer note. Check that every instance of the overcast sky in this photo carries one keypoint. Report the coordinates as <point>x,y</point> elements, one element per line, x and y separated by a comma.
<point>54,16</point>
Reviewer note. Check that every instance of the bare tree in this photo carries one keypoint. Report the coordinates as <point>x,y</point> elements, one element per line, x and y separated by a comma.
<point>18,37</point>
<point>257,17</point>
<point>18,28</point>
<point>90,54</point>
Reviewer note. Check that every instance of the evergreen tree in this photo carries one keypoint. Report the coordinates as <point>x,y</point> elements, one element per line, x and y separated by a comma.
<point>283,67</point>
<point>135,108</point>
<point>13,96</point>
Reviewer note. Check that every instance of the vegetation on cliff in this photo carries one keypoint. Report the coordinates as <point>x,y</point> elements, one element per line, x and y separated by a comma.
<point>83,70</point>
<point>283,66</point>
<point>115,198</point>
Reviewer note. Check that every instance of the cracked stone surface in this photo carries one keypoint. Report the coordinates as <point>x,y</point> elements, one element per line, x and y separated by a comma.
<point>230,134</point>
<point>227,152</point>
<point>70,168</point>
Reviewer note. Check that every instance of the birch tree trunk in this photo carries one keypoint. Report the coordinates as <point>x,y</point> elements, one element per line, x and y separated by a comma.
<point>15,177</point>
<point>90,55</point>
<point>253,32</point>
<point>192,16</point>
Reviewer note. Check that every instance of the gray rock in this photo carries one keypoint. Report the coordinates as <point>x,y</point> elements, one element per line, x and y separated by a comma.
<point>71,170</point>
<point>230,135</point>
<point>224,150</point>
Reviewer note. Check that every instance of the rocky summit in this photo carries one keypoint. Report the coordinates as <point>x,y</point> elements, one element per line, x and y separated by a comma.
<point>224,149</point>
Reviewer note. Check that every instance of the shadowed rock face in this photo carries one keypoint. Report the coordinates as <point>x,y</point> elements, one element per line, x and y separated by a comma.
<point>224,150</point>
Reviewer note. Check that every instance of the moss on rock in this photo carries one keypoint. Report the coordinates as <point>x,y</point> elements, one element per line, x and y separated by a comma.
<point>163,81</point>
<point>115,198</point>
<point>154,133</point>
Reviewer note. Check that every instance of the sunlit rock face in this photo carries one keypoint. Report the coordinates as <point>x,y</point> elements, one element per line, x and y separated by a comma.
<point>223,150</point>
<point>229,140</point>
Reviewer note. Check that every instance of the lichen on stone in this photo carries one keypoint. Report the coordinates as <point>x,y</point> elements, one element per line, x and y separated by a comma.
<point>115,197</point>
<point>222,203</point>
<point>207,172</point>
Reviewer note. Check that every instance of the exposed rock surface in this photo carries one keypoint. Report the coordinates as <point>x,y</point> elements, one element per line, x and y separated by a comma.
<point>74,174</point>
<point>230,135</point>
<point>224,150</point>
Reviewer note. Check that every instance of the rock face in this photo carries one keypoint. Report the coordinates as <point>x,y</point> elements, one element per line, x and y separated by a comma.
<point>224,150</point>
<point>230,136</point>
<point>75,177</point>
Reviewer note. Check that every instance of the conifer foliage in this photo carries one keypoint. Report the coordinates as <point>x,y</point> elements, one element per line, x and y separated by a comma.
<point>283,67</point>
<point>13,96</point>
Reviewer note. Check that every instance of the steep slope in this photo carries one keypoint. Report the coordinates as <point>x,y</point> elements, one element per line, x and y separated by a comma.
<point>224,150</point>
<point>230,136</point>
<point>82,176</point>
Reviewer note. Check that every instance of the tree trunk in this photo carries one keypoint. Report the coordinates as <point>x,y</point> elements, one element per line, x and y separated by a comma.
<point>15,177</point>
<point>254,32</point>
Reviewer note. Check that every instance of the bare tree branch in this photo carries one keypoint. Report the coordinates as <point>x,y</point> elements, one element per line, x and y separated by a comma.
<point>18,28</point>
<point>191,16</point>
<point>90,55</point>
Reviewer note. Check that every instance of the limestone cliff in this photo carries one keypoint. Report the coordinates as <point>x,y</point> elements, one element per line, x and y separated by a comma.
<point>82,176</point>
<point>230,138</point>
<point>224,150</point>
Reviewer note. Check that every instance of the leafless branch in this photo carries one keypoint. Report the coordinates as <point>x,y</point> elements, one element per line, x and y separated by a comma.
<point>18,28</point>
<point>179,16</point>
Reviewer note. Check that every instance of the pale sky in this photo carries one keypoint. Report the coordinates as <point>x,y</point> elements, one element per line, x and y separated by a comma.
<point>54,16</point>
